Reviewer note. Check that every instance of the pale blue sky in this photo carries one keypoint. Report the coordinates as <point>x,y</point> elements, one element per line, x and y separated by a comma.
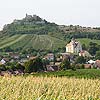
<point>76,12</point>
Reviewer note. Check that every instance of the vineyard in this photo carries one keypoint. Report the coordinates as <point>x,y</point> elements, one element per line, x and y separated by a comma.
<point>31,41</point>
<point>48,88</point>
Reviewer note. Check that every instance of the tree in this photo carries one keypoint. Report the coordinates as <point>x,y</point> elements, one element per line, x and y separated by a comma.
<point>79,66</point>
<point>11,66</point>
<point>29,66</point>
<point>45,62</point>
<point>65,64</point>
<point>38,65</point>
<point>73,66</point>
<point>83,46</point>
<point>80,60</point>
<point>97,56</point>
<point>34,65</point>
<point>19,66</point>
<point>2,68</point>
<point>92,48</point>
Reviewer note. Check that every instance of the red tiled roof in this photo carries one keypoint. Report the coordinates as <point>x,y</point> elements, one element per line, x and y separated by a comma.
<point>97,63</point>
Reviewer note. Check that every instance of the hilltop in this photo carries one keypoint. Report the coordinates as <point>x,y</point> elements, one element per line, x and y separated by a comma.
<point>72,28</point>
<point>36,25</point>
<point>30,25</point>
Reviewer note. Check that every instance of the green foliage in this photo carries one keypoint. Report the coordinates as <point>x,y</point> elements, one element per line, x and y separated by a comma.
<point>19,66</point>
<point>80,60</point>
<point>38,65</point>
<point>83,46</point>
<point>65,64</point>
<point>73,67</point>
<point>11,65</point>
<point>92,48</point>
<point>79,66</point>
<point>34,65</point>
<point>87,41</point>
<point>45,62</point>
<point>97,56</point>
<point>88,35</point>
<point>29,66</point>
<point>2,68</point>
<point>79,73</point>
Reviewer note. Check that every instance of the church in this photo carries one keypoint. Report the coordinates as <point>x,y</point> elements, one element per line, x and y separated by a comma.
<point>74,47</point>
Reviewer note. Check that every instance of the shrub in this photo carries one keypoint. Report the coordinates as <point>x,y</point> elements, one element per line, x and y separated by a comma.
<point>29,66</point>
<point>19,66</point>
<point>65,64</point>
<point>73,67</point>
<point>2,67</point>
<point>80,60</point>
<point>79,66</point>
<point>10,65</point>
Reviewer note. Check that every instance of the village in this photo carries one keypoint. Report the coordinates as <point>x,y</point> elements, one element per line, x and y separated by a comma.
<point>73,52</point>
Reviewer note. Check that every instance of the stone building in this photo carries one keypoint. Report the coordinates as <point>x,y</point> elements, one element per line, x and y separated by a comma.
<point>74,47</point>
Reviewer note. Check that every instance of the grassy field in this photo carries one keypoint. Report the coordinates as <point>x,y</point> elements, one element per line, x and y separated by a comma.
<point>87,41</point>
<point>48,88</point>
<point>79,73</point>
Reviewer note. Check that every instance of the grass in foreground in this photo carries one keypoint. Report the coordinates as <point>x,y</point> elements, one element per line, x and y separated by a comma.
<point>48,88</point>
<point>79,73</point>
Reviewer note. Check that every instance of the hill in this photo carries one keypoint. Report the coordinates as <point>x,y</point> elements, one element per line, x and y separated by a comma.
<point>79,29</point>
<point>39,34</point>
<point>32,32</point>
<point>31,25</point>
<point>87,41</point>
<point>24,41</point>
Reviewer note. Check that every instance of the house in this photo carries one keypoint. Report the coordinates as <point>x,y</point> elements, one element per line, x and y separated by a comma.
<point>74,47</point>
<point>14,55</point>
<point>88,66</point>
<point>52,68</point>
<point>28,17</point>
<point>32,57</point>
<point>23,60</point>
<point>65,56</point>
<point>91,62</point>
<point>97,64</point>
<point>49,57</point>
<point>57,64</point>
<point>84,53</point>
<point>2,62</point>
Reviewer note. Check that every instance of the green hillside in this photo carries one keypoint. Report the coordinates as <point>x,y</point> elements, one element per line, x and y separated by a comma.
<point>38,34</point>
<point>86,41</point>
<point>31,41</point>
<point>32,32</point>
<point>43,42</point>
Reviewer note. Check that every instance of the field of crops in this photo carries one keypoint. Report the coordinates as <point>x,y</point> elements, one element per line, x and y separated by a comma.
<point>43,42</point>
<point>48,88</point>
<point>31,41</point>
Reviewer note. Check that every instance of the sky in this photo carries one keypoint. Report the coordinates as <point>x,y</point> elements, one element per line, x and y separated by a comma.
<point>62,12</point>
